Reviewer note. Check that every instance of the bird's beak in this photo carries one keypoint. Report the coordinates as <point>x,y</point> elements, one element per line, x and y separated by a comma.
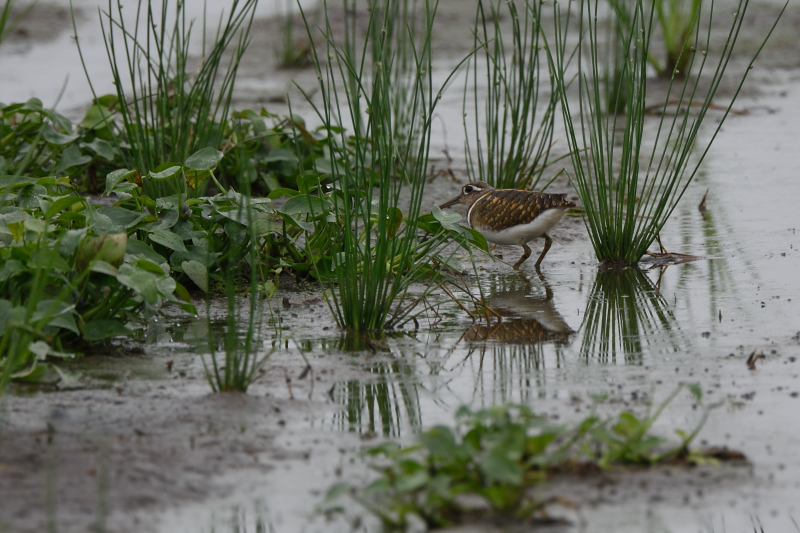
<point>451,203</point>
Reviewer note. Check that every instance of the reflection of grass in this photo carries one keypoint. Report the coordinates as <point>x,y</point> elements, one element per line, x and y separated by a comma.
<point>626,315</point>
<point>630,186</point>
<point>495,455</point>
<point>377,405</point>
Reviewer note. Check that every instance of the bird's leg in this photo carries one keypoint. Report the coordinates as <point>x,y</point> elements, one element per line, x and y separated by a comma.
<point>547,242</point>
<point>525,256</point>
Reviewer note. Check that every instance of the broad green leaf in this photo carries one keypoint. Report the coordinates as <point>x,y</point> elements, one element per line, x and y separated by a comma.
<point>194,253</point>
<point>411,480</point>
<point>28,197</point>
<point>165,174</point>
<point>97,117</point>
<point>281,192</point>
<point>102,329</point>
<point>440,441</point>
<point>496,466</point>
<point>35,225</point>
<point>57,314</point>
<point>8,313</point>
<point>196,178</point>
<point>197,272</point>
<point>101,267</point>
<point>150,266</point>
<point>302,204</point>
<point>204,159</point>
<point>114,178</point>
<point>59,139</point>
<point>8,183</point>
<point>62,204</point>
<point>141,281</point>
<point>11,268</point>
<point>48,259</point>
<point>121,216</point>
<point>448,219</point>
<point>137,248</point>
<point>168,239</point>
<point>72,157</point>
<point>102,148</point>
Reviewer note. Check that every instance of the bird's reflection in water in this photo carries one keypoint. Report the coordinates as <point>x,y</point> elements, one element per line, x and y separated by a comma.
<point>525,314</point>
<point>507,356</point>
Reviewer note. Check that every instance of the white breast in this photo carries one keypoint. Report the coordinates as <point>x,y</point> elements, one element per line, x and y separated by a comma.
<point>524,233</point>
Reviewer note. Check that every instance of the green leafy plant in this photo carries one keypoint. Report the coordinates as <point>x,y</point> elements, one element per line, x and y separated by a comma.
<point>497,454</point>
<point>518,134</point>
<point>161,111</point>
<point>38,142</point>
<point>365,250</point>
<point>68,272</point>
<point>629,182</point>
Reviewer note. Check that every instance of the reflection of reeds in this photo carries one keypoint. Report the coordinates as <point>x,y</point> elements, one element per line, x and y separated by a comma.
<point>626,315</point>
<point>382,405</point>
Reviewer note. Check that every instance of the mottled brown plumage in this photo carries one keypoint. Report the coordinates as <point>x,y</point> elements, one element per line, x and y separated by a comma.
<point>512,216</point>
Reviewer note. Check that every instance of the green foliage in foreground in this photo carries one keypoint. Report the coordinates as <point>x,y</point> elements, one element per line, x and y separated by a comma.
<point>497,454</point>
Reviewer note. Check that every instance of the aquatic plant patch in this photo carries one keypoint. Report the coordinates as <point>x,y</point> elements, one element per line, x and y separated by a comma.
<point>629,181</point>
<point>491,461</point>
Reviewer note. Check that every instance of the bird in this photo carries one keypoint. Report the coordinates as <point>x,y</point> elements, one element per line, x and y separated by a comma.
<point>512,216</point>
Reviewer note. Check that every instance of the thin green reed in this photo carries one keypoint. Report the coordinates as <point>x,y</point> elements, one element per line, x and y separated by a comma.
<point>517,126</point>
<point>168,106</point>
<point>378,254</point>
<point>631,171</point>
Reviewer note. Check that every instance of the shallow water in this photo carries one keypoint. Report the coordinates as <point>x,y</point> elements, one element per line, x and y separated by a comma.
<point>579,331</point>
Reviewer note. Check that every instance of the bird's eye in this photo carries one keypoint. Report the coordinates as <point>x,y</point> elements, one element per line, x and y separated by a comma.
<point>468,189</point>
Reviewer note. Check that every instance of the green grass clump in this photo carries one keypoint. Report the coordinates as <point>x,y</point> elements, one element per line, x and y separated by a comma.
<point>168,108</point>
<point>367,251</point>
<point>498,454</point>
<point>630,181</point>
<point>518,135</point>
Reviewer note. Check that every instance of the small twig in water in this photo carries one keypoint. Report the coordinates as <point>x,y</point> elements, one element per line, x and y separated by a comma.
<point>288,384</point>
<point>751,361</point>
